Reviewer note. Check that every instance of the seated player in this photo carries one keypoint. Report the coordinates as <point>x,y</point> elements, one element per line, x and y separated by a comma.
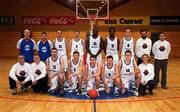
<point>55,71</point>
<point>39,78</point>
<point>92,72</point>
<point>147,74</point>
<point>110,75</point>
<point>20,74</point>
<point>129,71</point>
<point>75,72</point>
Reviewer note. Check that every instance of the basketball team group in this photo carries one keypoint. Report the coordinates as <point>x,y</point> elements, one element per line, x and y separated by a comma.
<point>45,67</point>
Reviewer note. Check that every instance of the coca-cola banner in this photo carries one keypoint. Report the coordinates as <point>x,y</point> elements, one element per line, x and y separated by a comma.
<point>48,20</point>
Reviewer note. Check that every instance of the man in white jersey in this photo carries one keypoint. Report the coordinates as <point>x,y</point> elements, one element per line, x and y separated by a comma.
<point>55,71</point>
<point>161,50</point>
<point>75,72</point>
<point>129,71</point>
<point>111,45</point>
<point>147,75</point>
<point>77,44</point>
<point>143,46</point>
<point>20,74</point>
<point>60,44</point>
<point>94,45</point>
<point>110,75</point>
<point>92,72</point>
<point>127,43</point>
<point>39,77</point>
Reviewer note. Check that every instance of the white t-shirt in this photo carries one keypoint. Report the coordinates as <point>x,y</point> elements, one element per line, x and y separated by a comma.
<point>161,49</point>
<point>143,46</point>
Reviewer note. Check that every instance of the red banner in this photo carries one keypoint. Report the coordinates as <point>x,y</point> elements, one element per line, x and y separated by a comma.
<point>48,20</point>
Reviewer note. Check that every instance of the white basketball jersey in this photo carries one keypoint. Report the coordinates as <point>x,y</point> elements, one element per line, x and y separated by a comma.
<point>92,70</point>
<point>74,67</point>
<point>54,65</point>
<point>77,46</point>
<point>127,45</point>
<point>94,44</point>
<point>61,47</point>
<point>127,68</point>
<point>111,46</point>
<point>109,72</point>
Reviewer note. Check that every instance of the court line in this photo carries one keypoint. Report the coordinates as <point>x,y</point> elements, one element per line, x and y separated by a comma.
<point>94,102</point>
<point>89,101</point>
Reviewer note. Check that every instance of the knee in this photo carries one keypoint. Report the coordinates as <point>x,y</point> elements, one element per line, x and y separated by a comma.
<point>97,78</point>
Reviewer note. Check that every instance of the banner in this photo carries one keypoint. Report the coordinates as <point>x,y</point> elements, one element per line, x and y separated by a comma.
<point>48,20</point>
<point>165,20</point>
<point>7,20</point>
<point>126,21</point>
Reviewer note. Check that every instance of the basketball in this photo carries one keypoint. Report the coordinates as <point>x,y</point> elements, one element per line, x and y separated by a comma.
<point>93,93</point>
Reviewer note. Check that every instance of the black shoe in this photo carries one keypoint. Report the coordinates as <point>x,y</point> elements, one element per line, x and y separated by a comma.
<point>164,87</point>
<point>79,92</point>
<point>61,91</point>
<point>150,92</point>
<point>14,91</point>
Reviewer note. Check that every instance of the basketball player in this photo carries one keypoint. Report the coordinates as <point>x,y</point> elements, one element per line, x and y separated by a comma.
<point>143,46</point>
<point>75,72</point>
<point>111,45</point>
<point>26,46</point>
<point>20,75</point>
<point>44,47</point>
<point>129,71</point>
<point>161,50</point>
<point>94,45</point>
<point>55,71</point>
<point>60,44</point>
<point>39,78</point>
<point>77,44</point>
<point>110,75</point>
<point>92,72</point>
<point>127,43</point>
<point>147,75</point>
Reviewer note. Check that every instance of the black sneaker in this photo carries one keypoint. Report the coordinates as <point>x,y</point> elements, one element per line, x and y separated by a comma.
<point>164,87</point>
<point>150,92</point>
<point>116,93</point>
<point>61,91</point>
<point>79,92</point>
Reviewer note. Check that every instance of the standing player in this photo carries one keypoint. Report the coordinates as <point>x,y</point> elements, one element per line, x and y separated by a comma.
<point>20,74</point>
<point>60,44</point>
<point>110,75</point>
<point>143,46</point>
<point>94,45</point>
<point>92,72</point>
<point>55,71</point>
<point>26,46</point>
<point>111,45</point>
<point>147,75</point>
<point>77,44</point>
<point>39,78</point>
<point>129,71</point>
<point>127,43</point>
<point>44,47</point>
<point>75,72</point>
<point>161,50</point>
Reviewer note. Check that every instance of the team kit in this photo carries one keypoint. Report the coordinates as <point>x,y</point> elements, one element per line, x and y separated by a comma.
<point>45,67</point>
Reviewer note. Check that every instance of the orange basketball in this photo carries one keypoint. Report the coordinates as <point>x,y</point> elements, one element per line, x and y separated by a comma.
<point>93,93</point>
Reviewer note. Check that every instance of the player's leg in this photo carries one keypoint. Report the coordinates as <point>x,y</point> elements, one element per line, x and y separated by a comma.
<point>157,65</point>
<point>13,87</point>
<point>97,78</point>
<point>117,84</point>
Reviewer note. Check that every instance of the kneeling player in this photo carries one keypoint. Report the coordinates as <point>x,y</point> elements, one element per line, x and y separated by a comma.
<point>110,75</point>
<point>129,71</point>
<point>92,72</point>
<point>75,71</point>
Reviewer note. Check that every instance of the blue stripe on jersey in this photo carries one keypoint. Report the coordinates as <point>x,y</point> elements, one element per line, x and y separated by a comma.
<point>44,50</point>
<point>27,49</point>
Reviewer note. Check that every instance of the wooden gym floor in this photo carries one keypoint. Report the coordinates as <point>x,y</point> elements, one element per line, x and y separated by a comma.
<point>162,100</point>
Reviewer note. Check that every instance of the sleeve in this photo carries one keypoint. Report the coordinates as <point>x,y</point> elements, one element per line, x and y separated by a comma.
<point>150,46</point>
<point>105,45</point>
<point>34,43</point>
<point>12,73</point>
<point>18,46</point>
<point>101,46</point>
<point>136,46</point>
<point>87,46</point>
<point>151,77</point>
<point>30,75</point>
<point>37,47</point>
<point>43,72</point>
<point>169,48</point>
<point>50,44</point>
<point>154,49</point>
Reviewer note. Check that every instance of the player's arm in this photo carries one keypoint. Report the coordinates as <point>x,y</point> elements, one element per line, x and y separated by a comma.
<point>62,65</point>
<point>101,47</point>
<point>83,43</point>
<point>98,70</point>
<point>47,67</point>
<point>87,46</point>
<point>66,45</point>
<point>120,46</point>
<point>117,73</point>
<point>136,68</point>
<point>105,45</point>
<point>102,74</point>
<point>86,73</point>
<point>80,68</point>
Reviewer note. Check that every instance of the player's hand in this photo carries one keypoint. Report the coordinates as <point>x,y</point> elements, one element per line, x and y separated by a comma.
<point>131,73</point>
<point>18,82</point>
<point>109,80</point>
<point>23,82</point>
<point>35,82</point>
<point>51,76</point>
<point>144,83</point>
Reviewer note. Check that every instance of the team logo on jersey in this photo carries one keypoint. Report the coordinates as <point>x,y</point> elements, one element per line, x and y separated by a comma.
<point>27,47</point>
<point>128,45</point>
<point>74,69</point>
<point>95,43</point>
<point>127,70</point>
<point>162,48</point>
<point>54,66</point>
<point>44,49</point>
<point>112,45</point>
<point>92,72</point>
<point>146,72</point>
<point>60,46</point>
<point>76,46</point>
<point>144,46</point>
<point>109,74</point>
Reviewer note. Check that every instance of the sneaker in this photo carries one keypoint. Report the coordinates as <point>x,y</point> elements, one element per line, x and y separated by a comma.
<point>79,92</point>
<point>14,91</point>
<point>136,92</point>
<point>164,87</point>
<point>25,89</point>
<point>61,91</point>
<point>116,93</point>
<point>150,92</point>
